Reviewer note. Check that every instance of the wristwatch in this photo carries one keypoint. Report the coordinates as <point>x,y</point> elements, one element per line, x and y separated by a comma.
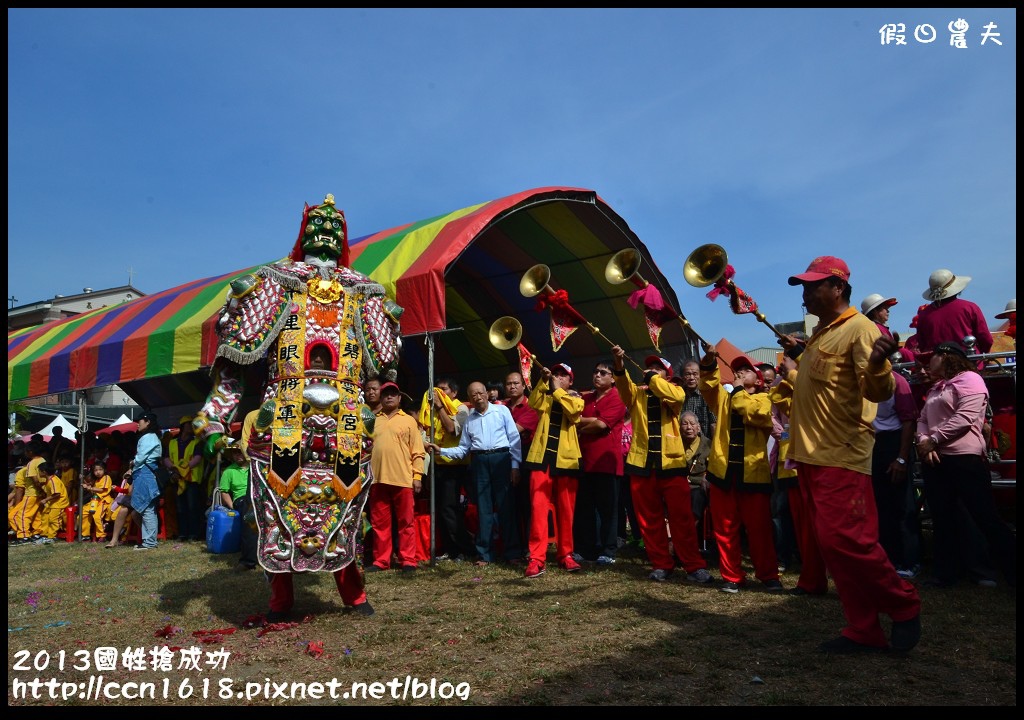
<point>901,461</point>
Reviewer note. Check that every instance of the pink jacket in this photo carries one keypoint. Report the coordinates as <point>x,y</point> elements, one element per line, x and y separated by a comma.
<point>954,413</point>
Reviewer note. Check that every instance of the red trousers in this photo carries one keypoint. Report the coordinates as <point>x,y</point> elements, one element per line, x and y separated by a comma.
<point>387,503</point>
<point>731,510</point>
<point>545,490</point>
<point>841,505</point>
<point>813,577</point>
<point>653,497</point>
<point>349,581</point>
<point>421,526</point>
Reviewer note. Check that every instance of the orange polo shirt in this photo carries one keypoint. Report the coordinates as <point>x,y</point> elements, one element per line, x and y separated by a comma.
<point>398,452</point>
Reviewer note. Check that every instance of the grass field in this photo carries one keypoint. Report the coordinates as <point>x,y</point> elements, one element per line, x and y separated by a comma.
<point>605,636</point>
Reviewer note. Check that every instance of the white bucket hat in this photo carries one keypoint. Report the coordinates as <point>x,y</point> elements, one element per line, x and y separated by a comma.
<point>944,284</point>
<point>874,301</point>
<point>1011,309</point>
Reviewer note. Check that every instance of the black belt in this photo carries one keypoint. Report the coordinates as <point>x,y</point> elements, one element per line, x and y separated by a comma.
<point>490,452</point>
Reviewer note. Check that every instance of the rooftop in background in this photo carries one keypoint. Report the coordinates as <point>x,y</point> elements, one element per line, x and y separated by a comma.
<point>64,306</point>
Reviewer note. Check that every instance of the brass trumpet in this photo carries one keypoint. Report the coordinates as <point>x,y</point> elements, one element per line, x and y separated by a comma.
<point>536,280</point>
<point>505,334</point>
<point>625,265</point>
<point>705,265</point>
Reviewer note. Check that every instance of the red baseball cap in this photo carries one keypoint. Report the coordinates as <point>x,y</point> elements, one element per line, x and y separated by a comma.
<point>823,267</point>
<point>742,361</point>
<point>655,360</point>
<point>564,368</point>
<point>389,385</point>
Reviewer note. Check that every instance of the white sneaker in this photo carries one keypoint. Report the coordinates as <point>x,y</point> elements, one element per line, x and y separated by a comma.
<point>44,541</point>
<point>605,560</point>
<point>909,573</point>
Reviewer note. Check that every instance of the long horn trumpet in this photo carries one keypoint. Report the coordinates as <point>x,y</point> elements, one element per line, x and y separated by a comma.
<point>505,334</point>
<point>706,265</point>
<point>536,280</point>
<point>625,265</point>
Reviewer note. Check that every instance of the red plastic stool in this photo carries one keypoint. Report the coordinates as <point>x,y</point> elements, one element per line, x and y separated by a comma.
<point>69,523</point>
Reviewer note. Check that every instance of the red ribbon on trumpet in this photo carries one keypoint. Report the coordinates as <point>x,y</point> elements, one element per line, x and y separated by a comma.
<point>565,320</point>
<point>740,302</point>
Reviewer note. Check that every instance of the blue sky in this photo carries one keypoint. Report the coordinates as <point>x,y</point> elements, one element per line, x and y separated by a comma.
<point>183,143</point>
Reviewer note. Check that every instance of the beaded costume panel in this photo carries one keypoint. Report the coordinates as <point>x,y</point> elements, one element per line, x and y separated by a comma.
<point>310,447</point>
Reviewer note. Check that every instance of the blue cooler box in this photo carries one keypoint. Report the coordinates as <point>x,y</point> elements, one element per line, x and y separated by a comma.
<point>223,531</point>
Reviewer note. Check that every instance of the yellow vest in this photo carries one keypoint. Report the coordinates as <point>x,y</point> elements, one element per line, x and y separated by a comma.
<point>195,475</point>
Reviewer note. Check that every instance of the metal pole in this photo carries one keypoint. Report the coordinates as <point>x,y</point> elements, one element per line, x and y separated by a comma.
<point>83,425</point>
<point>428,339</point>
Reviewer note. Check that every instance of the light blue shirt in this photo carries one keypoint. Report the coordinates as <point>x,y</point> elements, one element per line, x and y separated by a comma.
<point>148,450</point>
<point>492,429</point>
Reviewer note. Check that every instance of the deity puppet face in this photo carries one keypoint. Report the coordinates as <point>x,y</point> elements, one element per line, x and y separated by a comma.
<point>325,232</point>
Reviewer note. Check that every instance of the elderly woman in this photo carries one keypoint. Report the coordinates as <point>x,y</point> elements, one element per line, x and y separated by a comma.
<point>697,448</point>
<point>952,448</point>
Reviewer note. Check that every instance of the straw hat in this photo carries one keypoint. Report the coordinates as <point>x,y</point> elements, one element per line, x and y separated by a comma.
<point>944,284</point>
<point>1011,309</point>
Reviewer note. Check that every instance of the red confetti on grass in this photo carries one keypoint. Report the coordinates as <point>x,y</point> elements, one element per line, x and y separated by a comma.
<point>212,636</point>
<point>315,648</point>
<point>168,631</point>
<point>275,627</point>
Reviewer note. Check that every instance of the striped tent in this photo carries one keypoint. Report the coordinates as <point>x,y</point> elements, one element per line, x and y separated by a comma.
<point>454,274</point>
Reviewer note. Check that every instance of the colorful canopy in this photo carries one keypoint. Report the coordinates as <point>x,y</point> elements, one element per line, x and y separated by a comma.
<point>454,274</point>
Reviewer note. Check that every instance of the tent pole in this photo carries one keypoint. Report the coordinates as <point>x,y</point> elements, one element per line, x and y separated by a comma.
<point>83,425</point>
<point>428,339</point>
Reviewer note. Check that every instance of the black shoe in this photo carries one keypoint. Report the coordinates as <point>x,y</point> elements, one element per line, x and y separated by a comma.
<point>906,633</point>
<point>800,592</point>
<point>730,587</point>
<point>364,608</point>
<point>276,616</point>
<point>843,645</point>
<point>408,569</point>
<point>374,568</point>
<point>936,583</point>
<point>773,586</point>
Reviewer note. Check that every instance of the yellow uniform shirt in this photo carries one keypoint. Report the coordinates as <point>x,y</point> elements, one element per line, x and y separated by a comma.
<point>673,456</point>
<point>31,481</point>
<point>568,455</point>
<point>835,395</point>
<point>56,486</point>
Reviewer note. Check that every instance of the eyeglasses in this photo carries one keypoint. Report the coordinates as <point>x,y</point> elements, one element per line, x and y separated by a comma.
<point>601,372</point>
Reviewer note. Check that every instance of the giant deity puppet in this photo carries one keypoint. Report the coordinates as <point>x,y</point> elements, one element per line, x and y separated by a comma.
<point>321,329</point>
